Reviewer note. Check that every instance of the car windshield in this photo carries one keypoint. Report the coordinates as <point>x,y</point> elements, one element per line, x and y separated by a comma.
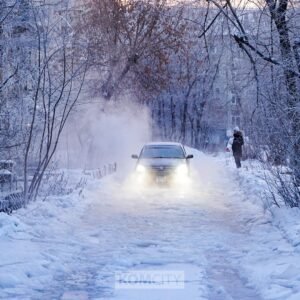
<point>162,152</point>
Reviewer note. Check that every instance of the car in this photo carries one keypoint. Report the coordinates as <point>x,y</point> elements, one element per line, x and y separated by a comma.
<point>162,163</point>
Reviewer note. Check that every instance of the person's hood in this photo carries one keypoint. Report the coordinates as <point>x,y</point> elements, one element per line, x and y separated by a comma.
<point>237,134</point>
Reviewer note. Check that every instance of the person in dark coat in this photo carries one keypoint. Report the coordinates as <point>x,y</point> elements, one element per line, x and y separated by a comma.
<point>237,144</point>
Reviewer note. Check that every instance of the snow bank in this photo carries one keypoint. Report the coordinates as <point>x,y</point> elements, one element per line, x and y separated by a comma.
<point>21,262</point>
<point>251,178</point>
<point>277,274</point>
<point>33,241</point>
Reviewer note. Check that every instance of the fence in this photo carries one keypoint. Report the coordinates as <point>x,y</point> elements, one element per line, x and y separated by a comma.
<point>13,199</point>
<point>11,202</point>
<point>99,173</point>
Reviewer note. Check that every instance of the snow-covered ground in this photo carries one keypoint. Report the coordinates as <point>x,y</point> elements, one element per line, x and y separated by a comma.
<point>216,230</point>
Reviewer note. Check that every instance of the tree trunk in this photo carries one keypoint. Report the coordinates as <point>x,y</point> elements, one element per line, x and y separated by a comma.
<point>278,14</point>
<point>173,117</point>
<point>184,120</point>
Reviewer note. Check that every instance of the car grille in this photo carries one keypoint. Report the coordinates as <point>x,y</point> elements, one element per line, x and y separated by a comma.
<point>162,170</point>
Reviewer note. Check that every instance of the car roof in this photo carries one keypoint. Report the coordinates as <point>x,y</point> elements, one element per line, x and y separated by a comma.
<point>163,144</point>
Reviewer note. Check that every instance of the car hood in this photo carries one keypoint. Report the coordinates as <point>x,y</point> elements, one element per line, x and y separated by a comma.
<point>169,162</point>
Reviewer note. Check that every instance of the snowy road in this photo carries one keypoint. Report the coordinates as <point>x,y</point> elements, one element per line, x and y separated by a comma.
<point>224,243</point>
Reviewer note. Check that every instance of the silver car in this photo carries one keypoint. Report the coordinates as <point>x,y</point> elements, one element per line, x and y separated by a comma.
<point>162,163</point>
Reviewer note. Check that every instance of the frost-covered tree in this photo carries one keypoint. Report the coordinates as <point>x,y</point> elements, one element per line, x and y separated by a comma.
<point>17,69</point>
<point>48,61</point>
<point>272,47</point>
<point>130,43</point>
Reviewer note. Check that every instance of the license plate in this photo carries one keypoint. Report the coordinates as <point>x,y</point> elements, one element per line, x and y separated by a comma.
<point>161,180</point>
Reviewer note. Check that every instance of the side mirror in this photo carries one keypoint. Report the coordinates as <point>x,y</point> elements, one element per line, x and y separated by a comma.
<point>134,156</point>
<point>190,156</point>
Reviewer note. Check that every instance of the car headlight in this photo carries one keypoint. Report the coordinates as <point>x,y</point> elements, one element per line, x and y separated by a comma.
<point>182,170</point>
<point>140,169</point>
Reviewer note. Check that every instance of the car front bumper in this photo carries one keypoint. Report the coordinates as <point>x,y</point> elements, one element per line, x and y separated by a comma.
<point>161,175</point>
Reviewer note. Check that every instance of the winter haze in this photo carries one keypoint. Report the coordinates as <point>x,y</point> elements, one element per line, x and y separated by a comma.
<point>149,150</point>
<point>101,133</point>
